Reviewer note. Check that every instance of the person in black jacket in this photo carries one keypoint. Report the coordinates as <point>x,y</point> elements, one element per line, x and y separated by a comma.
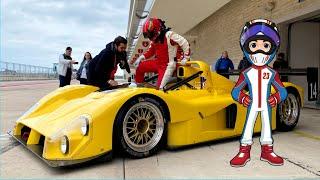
<point>100,68</point>
<point>244,64</point>
<point>281,64</point>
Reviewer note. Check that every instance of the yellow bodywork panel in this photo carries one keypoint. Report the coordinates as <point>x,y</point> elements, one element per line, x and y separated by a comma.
<point>196,114</point>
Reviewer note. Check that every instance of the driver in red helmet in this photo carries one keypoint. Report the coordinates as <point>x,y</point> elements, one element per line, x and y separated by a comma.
<point>163,47</point>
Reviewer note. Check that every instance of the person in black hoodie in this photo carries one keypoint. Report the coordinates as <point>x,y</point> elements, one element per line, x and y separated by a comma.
<point>99,71</point>
<point>244,64</point>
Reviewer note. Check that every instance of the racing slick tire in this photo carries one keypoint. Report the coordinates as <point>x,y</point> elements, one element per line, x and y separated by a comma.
<point>141,127</point>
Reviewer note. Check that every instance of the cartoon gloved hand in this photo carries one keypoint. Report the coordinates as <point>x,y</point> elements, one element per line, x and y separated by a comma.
<point>246,101</point>
<point>272,100</point>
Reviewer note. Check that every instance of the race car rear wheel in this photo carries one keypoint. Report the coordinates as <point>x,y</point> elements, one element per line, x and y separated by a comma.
<point>288,112</point>
<point>141,127</point>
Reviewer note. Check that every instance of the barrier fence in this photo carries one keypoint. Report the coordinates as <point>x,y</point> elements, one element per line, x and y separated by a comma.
<point>14,71</point>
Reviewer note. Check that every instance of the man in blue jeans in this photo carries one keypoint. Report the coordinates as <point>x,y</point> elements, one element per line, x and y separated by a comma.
<point>224,64</point>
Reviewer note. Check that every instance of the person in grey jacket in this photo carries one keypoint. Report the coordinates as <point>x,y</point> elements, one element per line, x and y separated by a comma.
<point>65,67</point>
<point>82,71</point>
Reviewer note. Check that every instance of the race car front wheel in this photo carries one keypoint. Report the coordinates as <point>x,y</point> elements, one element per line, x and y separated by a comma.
<point>288,112</point>
<point>141,127</point>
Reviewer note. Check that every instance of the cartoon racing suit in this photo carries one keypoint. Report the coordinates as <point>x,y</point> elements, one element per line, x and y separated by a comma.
<point>164,61</point>
<point>259,80</point>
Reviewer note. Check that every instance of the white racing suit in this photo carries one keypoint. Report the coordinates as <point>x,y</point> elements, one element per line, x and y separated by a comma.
<point>259,80</point>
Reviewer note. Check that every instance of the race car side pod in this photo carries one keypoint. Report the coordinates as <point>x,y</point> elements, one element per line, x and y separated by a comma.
<point>310,72</point>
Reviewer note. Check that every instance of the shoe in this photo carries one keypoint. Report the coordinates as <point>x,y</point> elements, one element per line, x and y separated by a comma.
<point>242,157</point>
<point>269,156</point>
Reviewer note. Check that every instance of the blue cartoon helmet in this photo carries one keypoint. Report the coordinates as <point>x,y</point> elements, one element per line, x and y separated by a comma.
<point>260,41</point>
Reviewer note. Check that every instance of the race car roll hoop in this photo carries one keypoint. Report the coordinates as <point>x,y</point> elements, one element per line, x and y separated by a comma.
<point>183,78</point>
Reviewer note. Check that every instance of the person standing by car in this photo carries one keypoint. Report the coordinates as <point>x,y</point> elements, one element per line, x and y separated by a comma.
<point>82,71</point>
<point>65,67</point>
<point>244,64</point>
<point>223,64</point>
<point>279,64</point>
<point>101,67</point>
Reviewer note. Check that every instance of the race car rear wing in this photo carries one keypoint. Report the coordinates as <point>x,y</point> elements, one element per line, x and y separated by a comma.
<point>310,72</point>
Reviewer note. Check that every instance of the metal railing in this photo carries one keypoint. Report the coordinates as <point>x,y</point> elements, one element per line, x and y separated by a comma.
<point>15,71</point>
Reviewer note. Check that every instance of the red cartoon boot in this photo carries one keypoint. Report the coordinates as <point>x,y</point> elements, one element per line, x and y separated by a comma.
<point>269,156</point>
<point>242,157</point>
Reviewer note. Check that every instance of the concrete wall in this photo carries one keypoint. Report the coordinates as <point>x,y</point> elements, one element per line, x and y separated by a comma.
<point>221,30</point>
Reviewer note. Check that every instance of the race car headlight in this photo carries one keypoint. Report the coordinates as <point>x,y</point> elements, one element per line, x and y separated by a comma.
<point>64,145</point>
<point>84,125</point>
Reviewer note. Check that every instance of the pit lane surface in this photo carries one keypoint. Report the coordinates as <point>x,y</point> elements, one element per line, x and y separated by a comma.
<point>300,148</point>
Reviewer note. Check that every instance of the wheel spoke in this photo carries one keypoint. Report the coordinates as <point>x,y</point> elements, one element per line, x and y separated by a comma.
<point>141,135</point>
<point>152,130</point>
<point>134,120</point>
<point>152,121</point>
<point>140,139</point>
<point>148,115</point>
<point>132,130</point>
<point>143,114</point>
<point>147,136</point>
<point>137,117</point>
<point>135,136</point>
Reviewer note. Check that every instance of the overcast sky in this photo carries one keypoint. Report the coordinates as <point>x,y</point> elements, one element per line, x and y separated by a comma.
<point>37,31</point>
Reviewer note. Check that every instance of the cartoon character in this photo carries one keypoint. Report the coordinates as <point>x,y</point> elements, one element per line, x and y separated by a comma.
<point>259,41</point>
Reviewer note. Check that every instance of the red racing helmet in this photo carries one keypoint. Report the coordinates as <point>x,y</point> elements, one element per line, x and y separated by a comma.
<point>152,28</point>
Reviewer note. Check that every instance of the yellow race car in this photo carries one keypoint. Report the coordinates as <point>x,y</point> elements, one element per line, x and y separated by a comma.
<point>78,123</point>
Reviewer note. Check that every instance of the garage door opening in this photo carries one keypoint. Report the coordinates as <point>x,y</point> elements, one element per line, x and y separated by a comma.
<point>304,50</point>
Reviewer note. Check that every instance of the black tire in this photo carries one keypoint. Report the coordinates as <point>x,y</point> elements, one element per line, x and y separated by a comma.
<point>142,127</point>
<point>288,111</point>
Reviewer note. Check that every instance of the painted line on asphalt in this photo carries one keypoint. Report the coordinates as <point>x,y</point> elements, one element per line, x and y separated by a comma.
<point>6,147</point>
<point>123,168</point>
<point>302,166</point>
<point>9,146</point>
<point>304,134</point>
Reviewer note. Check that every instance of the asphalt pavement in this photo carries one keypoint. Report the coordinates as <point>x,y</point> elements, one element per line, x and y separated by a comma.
<point>300,148</point>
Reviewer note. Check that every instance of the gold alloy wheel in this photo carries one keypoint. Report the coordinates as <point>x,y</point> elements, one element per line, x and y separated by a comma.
<point>143,126</point>
<point>289,110</point>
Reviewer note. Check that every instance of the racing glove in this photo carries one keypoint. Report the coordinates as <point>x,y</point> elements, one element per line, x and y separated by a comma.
<point>136,64</point>
<point>272,100</point>
<point>246,100</point>
<point>184,61</point>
